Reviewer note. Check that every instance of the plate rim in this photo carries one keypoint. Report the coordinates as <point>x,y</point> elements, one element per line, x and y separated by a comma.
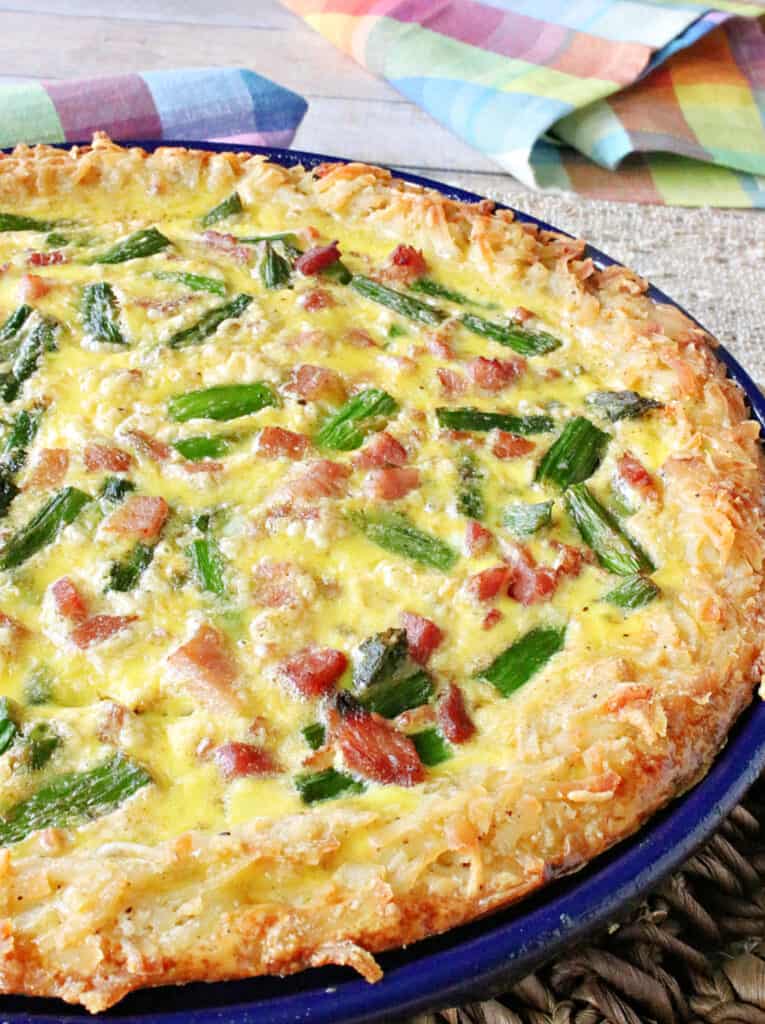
<point>507,944</point>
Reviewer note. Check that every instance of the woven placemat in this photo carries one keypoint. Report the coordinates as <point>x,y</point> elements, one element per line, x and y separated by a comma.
<point>694,951</point>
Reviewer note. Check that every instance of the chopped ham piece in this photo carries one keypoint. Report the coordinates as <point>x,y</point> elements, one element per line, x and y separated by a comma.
<point>206,662</point>
<point>422,636</point>
<point>529,582</point>
<point>510,446</point>
<point>406,264</point>
<point>228,244</point>
<point>321,479</point>
<point>495,374</point>
<point>633,472</point>
<point>99,628</point>
<point>239,759</point>
<point>49,469</point>
<point>100,456</point>
<point>12,633</point>
<point>314,671</point>
<point>381,450</point>
<point>478,539</point>
<point>570,559</point>
<point>68,600</point>
<point>392,483</point>
<point>318,259</point>
<point>140,516</point>
<point>488,584</point>
<point>373,747</point>
<point>491,618</point>
<point>453,716</point>
<point>452,382</point>
<point>273,441</point>
<point>149,446</point>
<point>32,287</point>
<point>317,383</point>
<point>46,259</point>
<point>281,585</point>
<point>316,300</point>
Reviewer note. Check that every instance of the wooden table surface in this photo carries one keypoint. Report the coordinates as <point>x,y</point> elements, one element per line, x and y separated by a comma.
<point>351,113</point>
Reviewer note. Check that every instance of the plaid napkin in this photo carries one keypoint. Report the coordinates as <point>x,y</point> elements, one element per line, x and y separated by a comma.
<point>222,104</point>
<point>660,101</point>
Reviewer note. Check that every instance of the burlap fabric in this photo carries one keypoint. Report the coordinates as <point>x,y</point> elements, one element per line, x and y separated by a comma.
<point>694,951</point>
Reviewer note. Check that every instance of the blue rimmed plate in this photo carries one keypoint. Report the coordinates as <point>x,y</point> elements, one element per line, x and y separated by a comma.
<point>479,959</point>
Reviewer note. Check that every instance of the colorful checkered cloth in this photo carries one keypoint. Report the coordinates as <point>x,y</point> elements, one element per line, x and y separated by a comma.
<point>222,104</point>
<point>661,101</point>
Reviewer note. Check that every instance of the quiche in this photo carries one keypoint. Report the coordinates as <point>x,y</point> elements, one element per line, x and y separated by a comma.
<point>368,559</point>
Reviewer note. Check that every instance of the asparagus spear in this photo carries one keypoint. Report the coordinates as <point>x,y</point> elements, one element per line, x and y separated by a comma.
<point>405,305</point>
<point>225,402</point>
<point>344,431</point>
<point>43,527</point>
<point>314,786</point>
<point>18,222</point>
<point>8,727</point>
<point>574,455</point>
<point>527,343</point>
<point>519,662</point>
<point>620,405</point>
<point>124,576</point>
<point>633,592</point>
<point>114,489</point>
<point>524,519</point>
<point>100,313</point>
<point>227,208</point>
<point>146,242</point>
<point>11,328</point>
<point>210,322</point>
<point>14,454</point>
<point>202,447</point>
<point>468,418</point>
<point>41,339</point>
<point>431,747</point>
<point>600,531</point>
<point>74,798</point>
<point>275,269</point>
<point>379,657</point>
<point>207,563</point>
<point>395,533</point>
<point>440,291</point>
<point>392,697</point>
<point>196,282</point>
<point>470,495</point>
<point>41,743</point>
<point>314,735</point>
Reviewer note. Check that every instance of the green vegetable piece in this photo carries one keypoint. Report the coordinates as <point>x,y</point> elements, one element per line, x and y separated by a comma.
<point>379,657</point>
<point>405,305</point>
<point>574,455</point>
<point>43,528</point>
<point>633,592</point>
<point>11,328</point>
<point>210,322</point>
<point>225,402</point>
<point>196,282</point>
<point>8,491</point>
<point>527,343</point>
<point>227,208</point>
<point>18,222</point>
<point>124,576</point>
<point>440,291</point>
<point>470,500</point>
<point>20,436</point>
<point>326,785</point>
<point>345,430</point>
<point>523,659</point>
<point>74,798</point>
<point>56,240</point>
<point>38,688</point>
<point>524,519</point>
<point>337,272</point>
<point>147,242</point>
<point>468,418</point>
<point>41,742</point>
<point>207,564</point>
<point>397,331</point>
<point>431,747</point>
<point>204,446</point>
<point>275,269</point>
<point>100,313</point>
<point>394,532</point>
<point>289,240</point>
<point>394,696</point>
<point>621,405</point>
<point>314,735</point>
<point>40,340</point>
<point>8,728</point>
<point>114,489</point>
<point>600,531</point>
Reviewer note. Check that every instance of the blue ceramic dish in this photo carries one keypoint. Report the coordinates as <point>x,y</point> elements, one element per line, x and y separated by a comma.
<point>482,958</point>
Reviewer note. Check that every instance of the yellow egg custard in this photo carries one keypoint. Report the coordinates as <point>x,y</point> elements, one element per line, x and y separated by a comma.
<point>367,560</point>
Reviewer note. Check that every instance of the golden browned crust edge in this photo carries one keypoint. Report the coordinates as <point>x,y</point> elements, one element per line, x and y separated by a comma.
<point>278,939</point>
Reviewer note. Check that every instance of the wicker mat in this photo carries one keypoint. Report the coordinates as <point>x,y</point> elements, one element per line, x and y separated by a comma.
<point>694,951</point>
